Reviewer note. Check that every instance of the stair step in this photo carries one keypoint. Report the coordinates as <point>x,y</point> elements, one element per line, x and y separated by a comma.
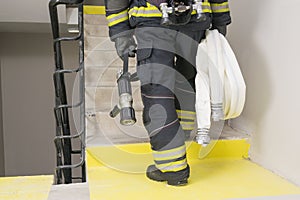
<point>94,19</point>
<point>102,129</point>
<point>105,98</point>
<point>96,30</point>
<point>68,191</point>
<point>98,43</point>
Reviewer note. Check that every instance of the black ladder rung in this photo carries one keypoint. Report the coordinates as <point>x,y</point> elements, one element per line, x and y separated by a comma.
<point>68,105</point>
<point>75,38</point>
<point>68,71</point>
<point>77,178</point>
<point>69,136</point>
<point>76,151</point>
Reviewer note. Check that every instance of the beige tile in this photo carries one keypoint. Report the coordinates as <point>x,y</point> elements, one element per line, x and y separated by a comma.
<point>95,19</point>
<point>98,43</point>
<point>105,98</point>
<point>102,58</point>
<point>96,30</point>
<point>102,129</point>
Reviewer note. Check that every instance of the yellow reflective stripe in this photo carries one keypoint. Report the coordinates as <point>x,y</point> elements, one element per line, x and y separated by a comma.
<point>177,149</point>
<point>174,169</point>
<point>149,11</point>
<point>153,11</point>
<point>186,112</point>
<point>118,21</point>
<point>187,126</point>
<point>219,8</point>
<point>117,18</point>
<point>173,166</point>
<point>185,115</point>
<point>205,7</point>
<point>187,123</point>
<point>180,162</point>
<point>169,157</point>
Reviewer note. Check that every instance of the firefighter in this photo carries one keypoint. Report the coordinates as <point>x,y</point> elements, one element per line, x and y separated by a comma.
<point>167,44</point>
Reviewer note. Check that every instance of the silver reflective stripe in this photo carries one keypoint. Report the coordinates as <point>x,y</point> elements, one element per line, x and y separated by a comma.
<point>187,126</point>
<point>169,154</point>
<point>136,12</point>
<point>206,7</point>
<point>112,19</point>
<point>186,115</point>
<point>224,7</point>
<point>173,167</point>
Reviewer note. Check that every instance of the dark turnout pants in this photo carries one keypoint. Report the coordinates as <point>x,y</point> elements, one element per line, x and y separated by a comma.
<point>166,60</point>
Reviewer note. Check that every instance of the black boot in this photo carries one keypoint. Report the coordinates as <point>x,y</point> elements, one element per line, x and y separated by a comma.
<point>173,178</point>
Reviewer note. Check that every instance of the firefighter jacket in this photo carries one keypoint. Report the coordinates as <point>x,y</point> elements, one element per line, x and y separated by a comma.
<point>123,15</point>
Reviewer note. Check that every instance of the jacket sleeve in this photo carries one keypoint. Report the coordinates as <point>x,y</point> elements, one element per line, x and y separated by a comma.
<point>220,12</point>
<point>116,12</point>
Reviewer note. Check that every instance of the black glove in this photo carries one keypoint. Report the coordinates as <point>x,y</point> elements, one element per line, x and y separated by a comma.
<point>222,29</point>
<point>125,44</point>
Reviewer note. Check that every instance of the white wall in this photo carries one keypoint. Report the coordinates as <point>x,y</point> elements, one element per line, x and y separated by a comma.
<point>265,36</point>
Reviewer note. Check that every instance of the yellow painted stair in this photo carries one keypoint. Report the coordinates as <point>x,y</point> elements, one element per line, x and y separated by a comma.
<point>220,171</point>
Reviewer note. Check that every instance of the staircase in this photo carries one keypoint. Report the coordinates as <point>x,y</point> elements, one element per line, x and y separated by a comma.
<point>101,66</point>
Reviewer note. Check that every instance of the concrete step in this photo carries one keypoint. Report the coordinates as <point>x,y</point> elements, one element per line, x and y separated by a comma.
<point>95,30</point>
<point>105,98</point>
<point>94,19</point>
<point>104,130</point>
<point>98,43</point>
<point>77,191</point>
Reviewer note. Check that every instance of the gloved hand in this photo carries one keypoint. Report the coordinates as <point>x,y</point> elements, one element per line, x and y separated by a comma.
<point>125,44</point>
<point>221,29</point>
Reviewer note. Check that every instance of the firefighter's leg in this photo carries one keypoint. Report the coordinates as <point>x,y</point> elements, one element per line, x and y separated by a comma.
<point>157,75</point>
<point>185,95</point>
<point>186,49</point>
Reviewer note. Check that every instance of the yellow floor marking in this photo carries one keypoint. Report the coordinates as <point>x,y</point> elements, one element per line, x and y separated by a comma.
<point>222,174</point>
<point>94,10</point>
<point>25,187</point>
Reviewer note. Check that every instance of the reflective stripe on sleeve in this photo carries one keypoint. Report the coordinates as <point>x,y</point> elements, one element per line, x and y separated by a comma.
<point>220,7</point>
<point>153,11</point>
<point>149,11</point>
<point>117,18</point>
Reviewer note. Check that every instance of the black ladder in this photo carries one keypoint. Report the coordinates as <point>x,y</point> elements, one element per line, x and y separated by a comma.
<point>64,139</point>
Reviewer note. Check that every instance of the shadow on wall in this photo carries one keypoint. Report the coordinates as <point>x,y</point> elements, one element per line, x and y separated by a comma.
<point>243,36</point>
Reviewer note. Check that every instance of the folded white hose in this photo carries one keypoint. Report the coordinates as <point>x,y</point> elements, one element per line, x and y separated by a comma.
<point>220,87</point>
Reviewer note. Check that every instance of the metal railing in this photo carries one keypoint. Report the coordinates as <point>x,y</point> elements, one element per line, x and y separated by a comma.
<point>64,137</point>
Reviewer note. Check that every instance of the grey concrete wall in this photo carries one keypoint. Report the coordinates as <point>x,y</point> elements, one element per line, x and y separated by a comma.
<point>28,101</point>
<point>265,37</point>
<point>2,171</point>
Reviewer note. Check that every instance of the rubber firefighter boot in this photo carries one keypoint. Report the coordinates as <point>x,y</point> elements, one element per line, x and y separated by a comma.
<point>178,178</point>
